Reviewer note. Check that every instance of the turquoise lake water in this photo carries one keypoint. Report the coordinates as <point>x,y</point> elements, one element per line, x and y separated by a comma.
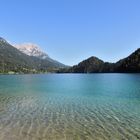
<point>70,107</point>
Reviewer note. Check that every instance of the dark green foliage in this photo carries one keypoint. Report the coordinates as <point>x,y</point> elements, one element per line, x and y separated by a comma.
<point>131,64</point>
<point>86,66</point>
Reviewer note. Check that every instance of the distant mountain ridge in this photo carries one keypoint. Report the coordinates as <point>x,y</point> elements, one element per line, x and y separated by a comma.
<point>28,58</point>
<point>11,59</point>
<point>130,64</point>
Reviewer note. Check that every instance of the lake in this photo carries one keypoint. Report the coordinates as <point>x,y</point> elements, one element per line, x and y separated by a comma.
<point>70,107</point>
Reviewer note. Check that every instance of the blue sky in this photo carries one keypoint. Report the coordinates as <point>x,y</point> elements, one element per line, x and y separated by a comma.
<point>73,30</point>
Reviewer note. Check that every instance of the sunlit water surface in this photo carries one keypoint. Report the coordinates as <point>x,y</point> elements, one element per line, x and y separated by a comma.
<point>70,107</point>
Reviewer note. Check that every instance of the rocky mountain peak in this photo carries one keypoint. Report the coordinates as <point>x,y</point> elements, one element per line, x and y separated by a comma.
<point>31,50</point>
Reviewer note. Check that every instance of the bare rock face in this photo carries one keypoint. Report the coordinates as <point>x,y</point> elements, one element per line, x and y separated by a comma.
<point>31,50</point>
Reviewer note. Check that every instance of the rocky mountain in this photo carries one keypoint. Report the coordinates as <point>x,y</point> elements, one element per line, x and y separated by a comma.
<point>11,59</point>
<point>34,50</point>
<point>31,50</point>
<point>131,64</point>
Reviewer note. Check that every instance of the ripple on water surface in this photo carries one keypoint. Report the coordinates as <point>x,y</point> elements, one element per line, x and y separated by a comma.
<point>70,107</point>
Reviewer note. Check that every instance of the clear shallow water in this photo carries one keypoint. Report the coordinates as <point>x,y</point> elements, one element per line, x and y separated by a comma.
<point>70,107</point>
